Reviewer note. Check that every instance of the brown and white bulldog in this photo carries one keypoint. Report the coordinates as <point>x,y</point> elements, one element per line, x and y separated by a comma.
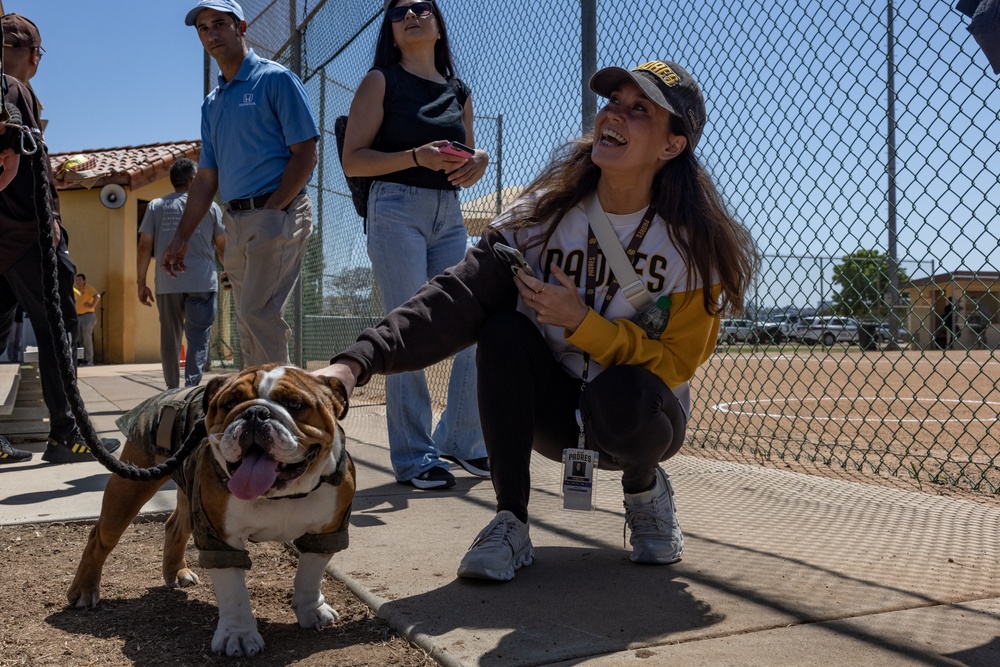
<point>273,467</point>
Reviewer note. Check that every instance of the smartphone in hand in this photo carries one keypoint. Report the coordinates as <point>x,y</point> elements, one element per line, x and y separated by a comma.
<point>458,149</point>
<point>513,258</point>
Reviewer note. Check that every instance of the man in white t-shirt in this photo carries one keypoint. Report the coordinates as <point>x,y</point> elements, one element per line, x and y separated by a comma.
<point>186,302</point>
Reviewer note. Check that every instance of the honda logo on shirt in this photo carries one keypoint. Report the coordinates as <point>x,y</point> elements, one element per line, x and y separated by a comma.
<point>248,100</point>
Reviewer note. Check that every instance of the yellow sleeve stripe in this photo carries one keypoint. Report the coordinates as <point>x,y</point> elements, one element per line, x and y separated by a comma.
<point>686,344</point>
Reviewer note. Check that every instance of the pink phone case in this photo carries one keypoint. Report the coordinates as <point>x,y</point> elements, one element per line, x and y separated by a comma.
<point>458,150</point>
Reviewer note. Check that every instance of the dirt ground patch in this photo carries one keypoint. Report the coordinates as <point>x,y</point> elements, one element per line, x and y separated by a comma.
<point>141,622</point>
<point>927,415</point>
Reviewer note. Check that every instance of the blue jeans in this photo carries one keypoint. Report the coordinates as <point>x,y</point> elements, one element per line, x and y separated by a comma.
<point>195,313</point>
<point>415,234</point>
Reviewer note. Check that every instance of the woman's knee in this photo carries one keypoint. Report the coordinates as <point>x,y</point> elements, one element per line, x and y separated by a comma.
<point>629,408</point>
<point>627,394</point>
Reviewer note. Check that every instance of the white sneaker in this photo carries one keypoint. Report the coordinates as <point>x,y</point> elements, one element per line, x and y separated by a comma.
<point>656,536</point>
<point>500,548</point>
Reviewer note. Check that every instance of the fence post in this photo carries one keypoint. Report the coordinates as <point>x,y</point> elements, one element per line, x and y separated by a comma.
<point>893,287</point>
<point>499,163</point>
<point>297,68</point>
<point>588,63</point>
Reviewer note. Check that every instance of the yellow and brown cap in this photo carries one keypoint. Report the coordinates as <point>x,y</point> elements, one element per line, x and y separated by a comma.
<point>666,84</point>
<point>20,32</point>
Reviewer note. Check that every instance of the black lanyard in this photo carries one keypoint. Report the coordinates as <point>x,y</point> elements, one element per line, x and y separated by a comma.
<point>590,283</point>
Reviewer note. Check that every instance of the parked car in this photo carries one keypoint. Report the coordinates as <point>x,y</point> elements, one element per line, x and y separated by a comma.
<point>872,335</point>
<point>736,331</point>
<point>828,329</point>
<point>902,335</point>
<point>778,330</point>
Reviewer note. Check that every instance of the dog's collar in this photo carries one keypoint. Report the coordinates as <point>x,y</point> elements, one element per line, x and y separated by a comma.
<point>335,478</point>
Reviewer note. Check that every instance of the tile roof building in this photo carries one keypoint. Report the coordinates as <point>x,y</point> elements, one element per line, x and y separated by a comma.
<point>128,166</point>
<point>103,232</point>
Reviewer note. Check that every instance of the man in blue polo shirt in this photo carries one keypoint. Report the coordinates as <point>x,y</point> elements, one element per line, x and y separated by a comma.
<point>258,150</point>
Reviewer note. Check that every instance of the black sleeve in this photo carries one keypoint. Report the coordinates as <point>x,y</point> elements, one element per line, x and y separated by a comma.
<point>444,316</point>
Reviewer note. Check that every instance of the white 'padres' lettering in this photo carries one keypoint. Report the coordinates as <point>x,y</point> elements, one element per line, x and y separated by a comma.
<point>268,381</point>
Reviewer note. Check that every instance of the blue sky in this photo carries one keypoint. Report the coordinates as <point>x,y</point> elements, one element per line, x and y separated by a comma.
<point>796,135</point>
<point>797,131</point>
<point>116,72</point>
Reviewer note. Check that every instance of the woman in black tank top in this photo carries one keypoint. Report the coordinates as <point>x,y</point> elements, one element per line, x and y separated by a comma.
<point>407,112</point>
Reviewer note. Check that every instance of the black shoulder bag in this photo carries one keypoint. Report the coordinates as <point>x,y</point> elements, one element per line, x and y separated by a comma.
<point>358,185</point>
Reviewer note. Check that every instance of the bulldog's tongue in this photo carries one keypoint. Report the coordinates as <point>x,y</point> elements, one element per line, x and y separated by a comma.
<point>254,476</point>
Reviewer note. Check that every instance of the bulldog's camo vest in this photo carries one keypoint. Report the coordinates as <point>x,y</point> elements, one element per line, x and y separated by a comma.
<point>159,425</point>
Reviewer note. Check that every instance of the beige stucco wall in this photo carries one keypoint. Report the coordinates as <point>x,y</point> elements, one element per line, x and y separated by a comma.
<point>975,309</point>
<point>103,246</point>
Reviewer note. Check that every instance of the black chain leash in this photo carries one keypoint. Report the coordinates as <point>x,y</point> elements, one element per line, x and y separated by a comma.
<point>53,310</point>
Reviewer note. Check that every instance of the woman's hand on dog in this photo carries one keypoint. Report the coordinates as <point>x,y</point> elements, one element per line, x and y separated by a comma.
<point>346,371</point>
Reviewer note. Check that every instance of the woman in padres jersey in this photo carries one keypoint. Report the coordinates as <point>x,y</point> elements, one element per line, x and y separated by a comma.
<point>565,361</point>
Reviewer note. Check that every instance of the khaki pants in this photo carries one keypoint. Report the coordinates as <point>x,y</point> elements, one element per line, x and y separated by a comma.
<point>264,251</point>
<point>85,332</point>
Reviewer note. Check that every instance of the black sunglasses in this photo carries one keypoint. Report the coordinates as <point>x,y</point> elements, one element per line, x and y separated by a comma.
<point>419,9</point>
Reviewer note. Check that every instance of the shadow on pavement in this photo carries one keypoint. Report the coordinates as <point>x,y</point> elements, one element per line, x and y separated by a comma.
<point>89,484</point>
<point>569,601</point>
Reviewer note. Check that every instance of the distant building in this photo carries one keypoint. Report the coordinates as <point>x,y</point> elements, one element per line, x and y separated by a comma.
<point>103,195</point>
<point>481,211</point>
<point>972,321</point>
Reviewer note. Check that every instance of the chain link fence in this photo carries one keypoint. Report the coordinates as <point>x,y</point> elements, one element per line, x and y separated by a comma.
<point>858,142</point>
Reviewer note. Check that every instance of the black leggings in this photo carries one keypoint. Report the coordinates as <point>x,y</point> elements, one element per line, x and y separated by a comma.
<point>528,401</point>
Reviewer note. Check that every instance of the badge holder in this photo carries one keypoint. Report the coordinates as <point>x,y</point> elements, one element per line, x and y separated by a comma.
<point>579,474</point>
<point>654,317</point>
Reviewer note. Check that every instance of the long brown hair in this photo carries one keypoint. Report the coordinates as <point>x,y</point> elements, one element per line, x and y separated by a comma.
<point>711,241</point>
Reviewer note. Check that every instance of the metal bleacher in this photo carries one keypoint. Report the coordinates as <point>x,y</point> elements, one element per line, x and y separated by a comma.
<point>23,415</point>
<point>10,379</point>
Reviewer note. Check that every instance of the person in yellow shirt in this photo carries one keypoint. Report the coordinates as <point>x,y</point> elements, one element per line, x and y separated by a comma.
<point>87,299</point>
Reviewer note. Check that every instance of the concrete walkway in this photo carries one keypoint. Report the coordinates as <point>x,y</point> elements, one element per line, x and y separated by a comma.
<point>780,569</point>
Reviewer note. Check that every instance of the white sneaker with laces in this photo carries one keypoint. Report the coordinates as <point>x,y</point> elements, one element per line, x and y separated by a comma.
<point>500,548</point>
<point>651,516</point>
